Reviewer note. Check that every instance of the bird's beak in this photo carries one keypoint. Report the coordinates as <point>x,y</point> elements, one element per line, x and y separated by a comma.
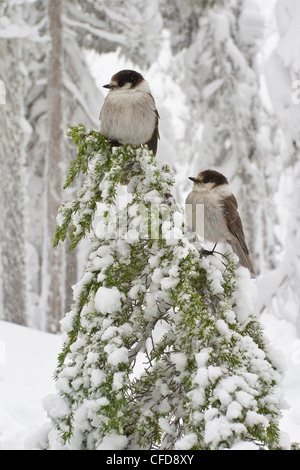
<point>193,179</point>
<point>107,86</point>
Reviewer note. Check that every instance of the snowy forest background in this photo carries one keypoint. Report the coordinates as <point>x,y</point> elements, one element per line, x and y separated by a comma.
<point>226,79</point>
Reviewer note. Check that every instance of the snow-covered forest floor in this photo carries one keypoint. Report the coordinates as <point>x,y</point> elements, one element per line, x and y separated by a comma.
<point>28,360</point>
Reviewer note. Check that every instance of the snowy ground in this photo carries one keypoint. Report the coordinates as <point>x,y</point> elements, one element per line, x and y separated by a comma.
<point>28,359</point>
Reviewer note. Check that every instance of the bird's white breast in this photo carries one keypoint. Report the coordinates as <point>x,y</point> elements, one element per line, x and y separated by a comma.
<point>209,204</point>
<point>129,116</point>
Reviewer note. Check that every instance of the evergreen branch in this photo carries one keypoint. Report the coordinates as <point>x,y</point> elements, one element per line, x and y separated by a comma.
<point>104,167</point>
<point>209,366</point>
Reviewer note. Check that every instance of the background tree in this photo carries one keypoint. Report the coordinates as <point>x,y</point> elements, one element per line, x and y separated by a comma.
<point>12,157</point>
<point>282,296</point>
<point>92,26</point>
<point>103,26</point>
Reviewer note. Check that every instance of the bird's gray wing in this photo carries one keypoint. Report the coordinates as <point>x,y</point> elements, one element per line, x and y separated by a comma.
<point>152,143</point>
<point>234,223</point>
<point>233,219</point>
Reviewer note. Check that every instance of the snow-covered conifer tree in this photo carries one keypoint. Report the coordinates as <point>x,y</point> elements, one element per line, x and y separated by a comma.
<point>53,176</point>
<point>101,26</point>
<point>161,347</point>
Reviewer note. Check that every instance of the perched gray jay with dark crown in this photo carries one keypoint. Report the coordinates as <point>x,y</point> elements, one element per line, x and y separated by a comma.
<point>221,218</point>
<point>129,114</point>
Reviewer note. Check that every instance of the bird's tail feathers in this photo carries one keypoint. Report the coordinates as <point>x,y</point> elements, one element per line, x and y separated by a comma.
<point>244,257</point>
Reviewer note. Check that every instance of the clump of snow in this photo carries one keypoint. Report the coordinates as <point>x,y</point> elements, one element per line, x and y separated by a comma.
<point>255,419</point>
<point>223,329</point>
<point>202,357</point>
<point>113,441</point>
<point>285,441</point>
<point>234,410</point>
<point>179,359</point>
<point>107,300</point>
<point>86,278</point>
<point>165,425</point>
<point>118,356</point>
<point>56,405</point>
<point>220,429</point>
<point>103,262</point>
<point>214,271</point>
<point>251,22</point>
<point>221,26</point>
<point>118,381</point>
<point>244,445</point>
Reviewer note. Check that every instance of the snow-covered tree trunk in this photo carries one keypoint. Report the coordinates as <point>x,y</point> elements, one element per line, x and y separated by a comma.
<point>54,260</point>
<point>219,54</point>
<point>13,133</point>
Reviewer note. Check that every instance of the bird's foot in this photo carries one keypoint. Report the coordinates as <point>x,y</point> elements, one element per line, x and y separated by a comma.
<point>210,252</point>
<point>115,143</point>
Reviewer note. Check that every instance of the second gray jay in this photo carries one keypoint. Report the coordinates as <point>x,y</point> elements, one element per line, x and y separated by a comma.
<point>221,218</point>
<point>129,114</point>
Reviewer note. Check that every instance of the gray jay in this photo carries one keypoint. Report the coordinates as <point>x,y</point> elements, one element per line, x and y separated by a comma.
<point>221,219</point>
<point>129,114</point>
